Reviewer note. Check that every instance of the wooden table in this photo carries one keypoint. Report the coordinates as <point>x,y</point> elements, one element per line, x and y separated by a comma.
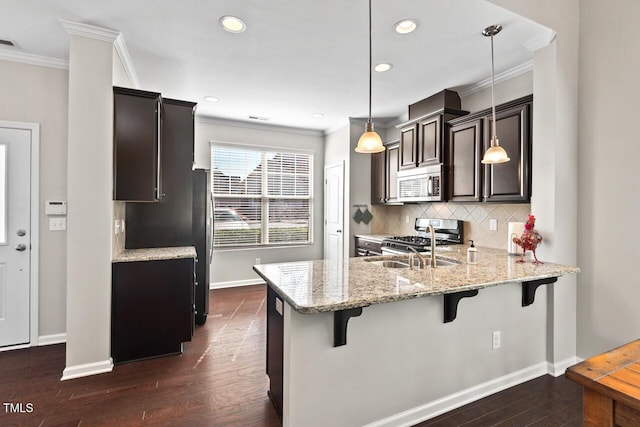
<point>611,386</point>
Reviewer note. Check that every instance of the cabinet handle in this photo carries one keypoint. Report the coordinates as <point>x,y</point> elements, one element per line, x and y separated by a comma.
<point>159,193</point>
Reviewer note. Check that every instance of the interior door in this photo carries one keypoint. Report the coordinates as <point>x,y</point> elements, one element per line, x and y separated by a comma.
<point>334,211</point>
<point>15,235</point>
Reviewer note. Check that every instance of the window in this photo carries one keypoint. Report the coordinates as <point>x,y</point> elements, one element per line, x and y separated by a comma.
<point>262,197</point>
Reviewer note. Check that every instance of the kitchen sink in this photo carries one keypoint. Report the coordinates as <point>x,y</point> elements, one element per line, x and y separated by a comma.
<point>391,263</point>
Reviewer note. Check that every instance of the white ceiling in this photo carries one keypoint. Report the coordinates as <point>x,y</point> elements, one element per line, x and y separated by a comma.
<point>297,57</point>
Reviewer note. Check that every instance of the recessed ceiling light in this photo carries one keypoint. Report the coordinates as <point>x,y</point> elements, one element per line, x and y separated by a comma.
<point>405,26</point>
<point>232,24</point>
<point>382,67</point>
<point>211,99</point>
<point>317,115</point>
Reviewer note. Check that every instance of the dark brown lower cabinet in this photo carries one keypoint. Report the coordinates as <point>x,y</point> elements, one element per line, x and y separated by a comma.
<point>275,343</point>
<point>151,308</point>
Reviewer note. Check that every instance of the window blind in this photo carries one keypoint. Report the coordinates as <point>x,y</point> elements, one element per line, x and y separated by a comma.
<point>262,197</point>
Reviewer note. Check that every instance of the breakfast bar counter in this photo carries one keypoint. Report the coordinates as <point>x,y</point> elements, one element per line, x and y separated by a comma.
<point>320,286</point>
<point>402,363</point>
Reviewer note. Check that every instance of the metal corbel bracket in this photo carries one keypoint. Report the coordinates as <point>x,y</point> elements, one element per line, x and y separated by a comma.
<point>451,303</point>
<point>340,320</point>
<point>529,289</point>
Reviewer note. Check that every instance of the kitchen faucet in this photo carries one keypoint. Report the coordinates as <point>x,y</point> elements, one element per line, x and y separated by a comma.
<point>423,261</point>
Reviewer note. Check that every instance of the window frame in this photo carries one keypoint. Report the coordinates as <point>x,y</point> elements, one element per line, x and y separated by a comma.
<point>264,197</point>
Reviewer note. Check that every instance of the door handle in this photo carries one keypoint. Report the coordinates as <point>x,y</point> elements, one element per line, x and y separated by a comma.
<point>21,247</point>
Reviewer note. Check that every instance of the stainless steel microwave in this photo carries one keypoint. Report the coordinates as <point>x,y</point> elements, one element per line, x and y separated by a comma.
<point>423,184</point>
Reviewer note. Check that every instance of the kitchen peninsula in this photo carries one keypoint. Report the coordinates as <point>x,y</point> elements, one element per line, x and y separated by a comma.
<point>407,357</point>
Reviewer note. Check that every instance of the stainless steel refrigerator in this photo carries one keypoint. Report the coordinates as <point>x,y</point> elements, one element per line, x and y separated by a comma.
<point>202,239</point>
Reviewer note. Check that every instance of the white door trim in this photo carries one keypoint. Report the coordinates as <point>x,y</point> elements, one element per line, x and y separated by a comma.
<point>34,128</point>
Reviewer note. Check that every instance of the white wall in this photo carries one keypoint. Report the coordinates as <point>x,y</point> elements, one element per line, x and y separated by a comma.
<point>505,91</point>
<point>400,356</point>
<point>232,267</point>
<point>89,185</point>
<point>555,124</point>
<point>608,291</point>
<point>37,94</point>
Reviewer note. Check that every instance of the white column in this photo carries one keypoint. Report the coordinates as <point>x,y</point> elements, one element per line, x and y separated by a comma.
<point>89,187</point>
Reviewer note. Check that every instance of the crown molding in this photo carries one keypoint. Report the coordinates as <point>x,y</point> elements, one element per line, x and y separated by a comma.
<point>540,41</point>
<point>32,59</point>
<point>501,77</point>
<point>127,63</point>
<point>89,31</point>
<point>107,35</point>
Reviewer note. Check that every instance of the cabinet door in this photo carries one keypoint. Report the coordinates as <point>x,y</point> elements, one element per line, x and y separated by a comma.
<point>430,141</point>
<point>275,349</point>
<point>378,177</point>
<point>408,147</point>
<point>392,167</point>
<point>136,141</point>
<point>151,308</point>
<point>168,223</point>
<point>463,152</point>
<point>510,181</point>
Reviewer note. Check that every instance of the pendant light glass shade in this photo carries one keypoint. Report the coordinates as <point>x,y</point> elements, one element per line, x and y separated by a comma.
<point>370,141</point>
<point>495,154</point>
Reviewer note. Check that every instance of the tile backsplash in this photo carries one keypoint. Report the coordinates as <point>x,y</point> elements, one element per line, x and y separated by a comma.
<point>476,217</point>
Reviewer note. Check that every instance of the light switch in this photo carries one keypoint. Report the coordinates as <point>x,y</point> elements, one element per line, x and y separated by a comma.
<point>493,224</point>
<point>57,224</point>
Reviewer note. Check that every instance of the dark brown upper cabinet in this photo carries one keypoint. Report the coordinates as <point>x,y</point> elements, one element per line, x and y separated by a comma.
<point>384,174</point>
<point>392,166</point>
<point>510,181</point>
<point>464,148</point>
<point>169,222</point>
<point>408,147</point>
<point>378,177</point>
<point>430,143</point>
<point>136,145</point>
<point>423,137</point>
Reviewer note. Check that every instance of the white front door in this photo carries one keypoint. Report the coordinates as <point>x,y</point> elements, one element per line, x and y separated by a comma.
<point>15,235</point>
<point>334,211</point>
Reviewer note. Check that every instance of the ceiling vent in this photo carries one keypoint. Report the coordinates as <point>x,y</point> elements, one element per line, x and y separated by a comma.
<point>8,43</point>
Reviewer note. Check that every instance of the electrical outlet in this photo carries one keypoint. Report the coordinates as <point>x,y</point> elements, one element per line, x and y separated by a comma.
<point>406,219</point>
<point>257,260</point>
<point>495,340</point>
<point>117,226</point>
<point>493,224</point>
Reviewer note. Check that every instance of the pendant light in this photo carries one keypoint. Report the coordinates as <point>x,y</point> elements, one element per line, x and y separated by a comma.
<point>370,141</point>
<point>495,154</point>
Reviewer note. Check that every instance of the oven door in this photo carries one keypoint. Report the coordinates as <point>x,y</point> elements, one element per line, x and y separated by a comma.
<point>393,251</point>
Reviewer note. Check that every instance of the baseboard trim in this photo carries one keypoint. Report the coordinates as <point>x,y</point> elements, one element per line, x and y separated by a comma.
<point>52,339</point>
<point>78,371</point>
<point>437,407</point>
<point>557,369</point>
<point>236,283</point>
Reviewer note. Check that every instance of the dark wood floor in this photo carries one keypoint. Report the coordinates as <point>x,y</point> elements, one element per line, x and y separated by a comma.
<point>219,380</point>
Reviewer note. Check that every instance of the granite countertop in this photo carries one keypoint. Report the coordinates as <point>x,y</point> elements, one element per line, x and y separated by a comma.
<point>155,254</point>
<point>376,237</point>
<point>321,286</point>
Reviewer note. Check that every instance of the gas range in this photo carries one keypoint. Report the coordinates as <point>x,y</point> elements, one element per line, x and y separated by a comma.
<point>447,232</point>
